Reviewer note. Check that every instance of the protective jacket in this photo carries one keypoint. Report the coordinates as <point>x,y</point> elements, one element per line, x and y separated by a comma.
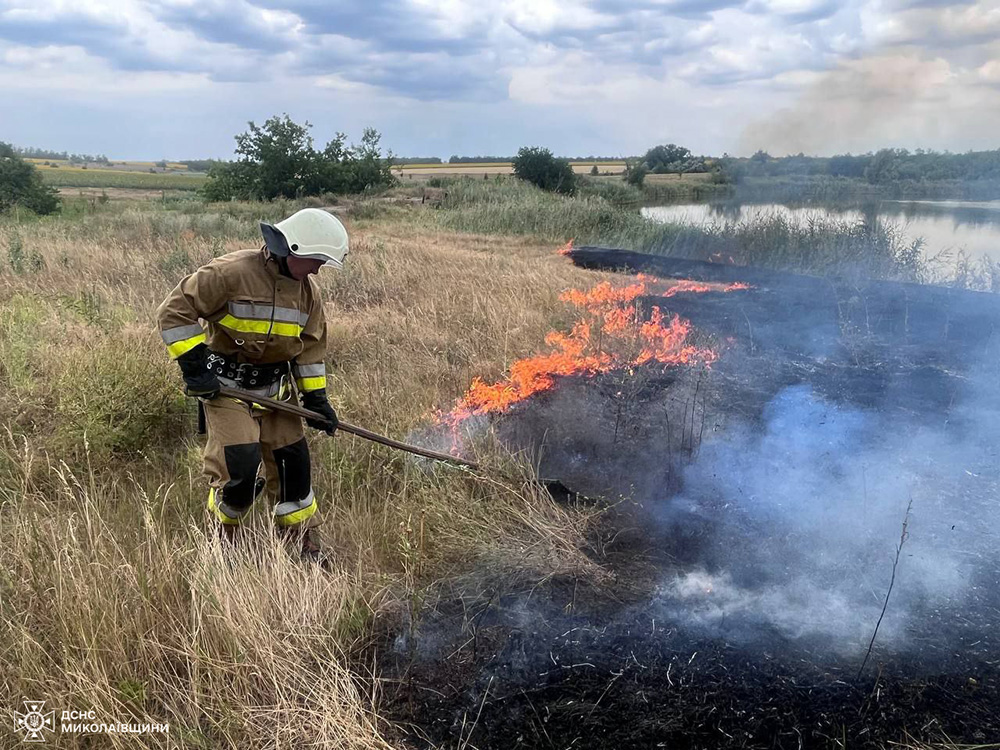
<point>243,308</point>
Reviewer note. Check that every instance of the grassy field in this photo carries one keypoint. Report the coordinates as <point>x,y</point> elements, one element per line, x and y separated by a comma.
<point>93,177</point>
<point>113,595</point>
<point>136,176</point>
<point>425,171</point>
<point>121,166</point>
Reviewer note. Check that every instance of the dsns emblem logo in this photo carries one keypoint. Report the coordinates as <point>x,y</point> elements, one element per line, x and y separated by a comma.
<point>33,722</point>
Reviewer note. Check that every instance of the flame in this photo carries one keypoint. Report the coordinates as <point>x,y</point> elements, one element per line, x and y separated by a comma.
<point>566,249</point>
<point>611,335</point>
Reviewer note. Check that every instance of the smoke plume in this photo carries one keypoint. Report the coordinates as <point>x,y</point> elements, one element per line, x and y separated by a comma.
<point>806,512</point>
<point>928,78</point>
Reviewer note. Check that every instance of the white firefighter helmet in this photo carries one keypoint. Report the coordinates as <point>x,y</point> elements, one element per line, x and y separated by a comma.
<point>309,233</point>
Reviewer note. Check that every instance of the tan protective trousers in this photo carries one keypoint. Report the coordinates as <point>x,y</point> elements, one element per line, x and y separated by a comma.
<point>240,438</point>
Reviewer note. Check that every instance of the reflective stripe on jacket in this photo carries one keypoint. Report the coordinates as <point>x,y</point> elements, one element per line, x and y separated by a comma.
<point>241,305</point>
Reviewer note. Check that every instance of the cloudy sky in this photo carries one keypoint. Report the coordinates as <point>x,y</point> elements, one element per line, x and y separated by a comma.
<point>178,78</point>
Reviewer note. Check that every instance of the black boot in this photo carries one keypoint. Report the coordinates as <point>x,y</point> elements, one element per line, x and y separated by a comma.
<point>229,533</point>
<point>303,542</point>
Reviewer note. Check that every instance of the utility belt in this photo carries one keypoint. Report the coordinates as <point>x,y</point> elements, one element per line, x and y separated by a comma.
<point>246,375</point>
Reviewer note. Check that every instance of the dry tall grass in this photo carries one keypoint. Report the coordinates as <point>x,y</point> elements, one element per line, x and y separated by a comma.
<point>113,595</point>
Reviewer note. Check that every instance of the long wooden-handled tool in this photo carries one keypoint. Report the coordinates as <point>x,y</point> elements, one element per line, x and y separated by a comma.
<point>361,432</point>
<point>554,487</point>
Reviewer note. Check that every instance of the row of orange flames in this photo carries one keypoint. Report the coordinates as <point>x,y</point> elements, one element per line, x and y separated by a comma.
<point>609,336</point>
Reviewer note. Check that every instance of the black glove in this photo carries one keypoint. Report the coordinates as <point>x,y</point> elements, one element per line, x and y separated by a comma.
<point>316,401</point>
<point>198,379</point>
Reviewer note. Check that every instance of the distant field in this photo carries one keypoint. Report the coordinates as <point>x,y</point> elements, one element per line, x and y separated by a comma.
<point>670,178</point>
<point>93,194</point>
<point>93,177</point>
<point>421,171</point>
<point>120,166</point>
<point>135,175</point>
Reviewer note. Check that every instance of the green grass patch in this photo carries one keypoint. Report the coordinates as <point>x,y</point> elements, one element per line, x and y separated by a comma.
<point>20,320</point>
<point>110,400</point>
<point>109,178</point>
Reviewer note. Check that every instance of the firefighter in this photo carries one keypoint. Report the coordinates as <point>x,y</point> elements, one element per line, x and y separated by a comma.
<point>253,319</point>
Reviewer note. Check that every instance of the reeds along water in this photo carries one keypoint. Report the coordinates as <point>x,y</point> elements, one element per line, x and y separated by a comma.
<point>864,248</point>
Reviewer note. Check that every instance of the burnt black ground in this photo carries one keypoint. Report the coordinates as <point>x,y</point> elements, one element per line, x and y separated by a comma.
<point>565,665</point>
<point>594,680</point>
<point>497,663</point>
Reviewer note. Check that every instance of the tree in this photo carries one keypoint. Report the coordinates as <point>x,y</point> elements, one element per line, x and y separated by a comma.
<point>666,159</point>
<point>226,181</point>
<point>635,174</point>
<point>884,166</point>
<point>21,185</point>
<point>846,165</point>
<point>539,167</point>
<point>334,172</point>
<point>278,160</point>
<point>369,170</point>
<point>200,165</point>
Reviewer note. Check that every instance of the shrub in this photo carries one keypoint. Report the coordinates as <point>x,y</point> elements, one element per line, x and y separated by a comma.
<point>616,192</point>
<point>539,167</point>
<point>21,185</point>
<point>22,260</point>
<point>635,175</point>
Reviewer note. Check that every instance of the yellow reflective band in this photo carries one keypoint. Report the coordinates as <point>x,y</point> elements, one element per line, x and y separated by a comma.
<point>260,326</point>
<point>218,513</point>
<point>178,348</point>
<point>311,384</point>
<point>293,519</point>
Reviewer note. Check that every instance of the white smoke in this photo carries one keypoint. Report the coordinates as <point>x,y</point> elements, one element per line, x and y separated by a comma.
<point>807,510</point>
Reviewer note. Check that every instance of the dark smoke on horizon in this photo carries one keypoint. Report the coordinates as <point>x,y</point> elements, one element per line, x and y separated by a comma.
<point>924,76</point>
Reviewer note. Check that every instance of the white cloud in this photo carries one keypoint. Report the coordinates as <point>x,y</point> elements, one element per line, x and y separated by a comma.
<point>668,66</point>
<point>70,73</point>
<point>547,17</point>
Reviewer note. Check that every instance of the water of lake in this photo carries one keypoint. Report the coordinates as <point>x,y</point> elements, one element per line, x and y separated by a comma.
<point>945,226</point>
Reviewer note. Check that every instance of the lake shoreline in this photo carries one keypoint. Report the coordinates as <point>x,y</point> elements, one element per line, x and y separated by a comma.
<point>970,229</point>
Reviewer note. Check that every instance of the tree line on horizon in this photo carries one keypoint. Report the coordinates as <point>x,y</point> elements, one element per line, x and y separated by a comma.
<point>279,159</point>
<point>29,152</point>
<point>877,167</point>
<point>884,166</point>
